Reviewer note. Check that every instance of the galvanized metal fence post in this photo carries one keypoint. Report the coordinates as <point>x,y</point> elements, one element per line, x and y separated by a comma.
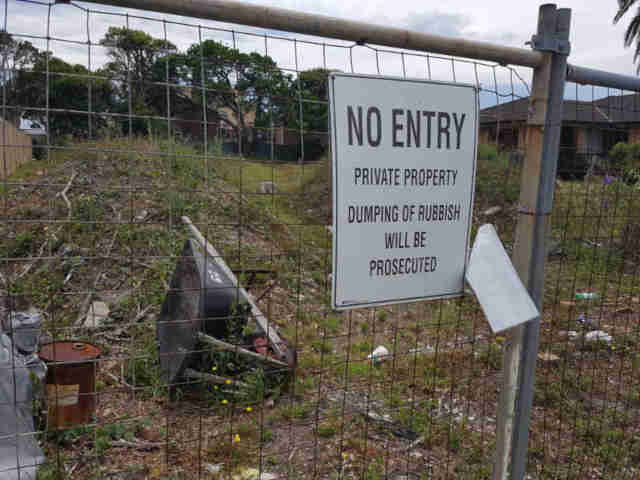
<point>536,202</point>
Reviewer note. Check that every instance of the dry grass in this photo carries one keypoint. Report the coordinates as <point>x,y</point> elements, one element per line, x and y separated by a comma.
<point>427,412</point>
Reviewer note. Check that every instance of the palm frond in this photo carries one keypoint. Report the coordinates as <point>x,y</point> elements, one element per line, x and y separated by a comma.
<point>623,7</point>
<point>636,56</point>
<point>633,31</point>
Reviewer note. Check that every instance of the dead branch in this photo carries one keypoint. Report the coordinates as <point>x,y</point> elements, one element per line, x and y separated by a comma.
<point>266,291</point>
<point>62,194</point>
<point>64,191</point>
<point>137,444</point>
<point>362,408</point>
<point>119,380</point>
<point>87,300</point>
<point>40,252</point>
<point>138,262</point>
<point>292,454</point>
<point>142,313</point>
<point>111,337</point>
<point>209,378</point>
<point>239,350</point>
<point>68,277</point>
<point>83,307</point>
<point>415,443</point>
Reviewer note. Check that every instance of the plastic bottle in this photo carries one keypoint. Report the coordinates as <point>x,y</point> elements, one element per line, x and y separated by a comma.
<point>586,296</point>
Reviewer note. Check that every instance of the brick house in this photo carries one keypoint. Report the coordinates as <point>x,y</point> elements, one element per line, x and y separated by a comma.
<point>588,128</point>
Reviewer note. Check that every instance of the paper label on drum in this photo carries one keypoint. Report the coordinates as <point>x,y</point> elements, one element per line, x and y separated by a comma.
<point>63,395</point>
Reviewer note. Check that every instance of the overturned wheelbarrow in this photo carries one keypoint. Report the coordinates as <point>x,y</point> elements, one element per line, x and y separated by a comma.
<point>204,293</point>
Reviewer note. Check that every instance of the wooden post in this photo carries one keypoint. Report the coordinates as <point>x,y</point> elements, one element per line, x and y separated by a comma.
<point>529,256</point>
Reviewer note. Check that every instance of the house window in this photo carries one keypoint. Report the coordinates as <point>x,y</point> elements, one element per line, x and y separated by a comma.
<point>508,138</point>
<point>567,137</point>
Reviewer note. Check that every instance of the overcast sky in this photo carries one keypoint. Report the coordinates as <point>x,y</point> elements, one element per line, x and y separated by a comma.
<point>596,42</point>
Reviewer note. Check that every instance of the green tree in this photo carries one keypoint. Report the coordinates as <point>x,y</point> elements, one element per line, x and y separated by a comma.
<point>308,111</point>
<point>237,85</point>
<point>170,74</point>
<point>632,33</point>
<point>135,57</point>
<point>69,90</point>
<point>25,81</point>
<point>69,87</point>
<point>16,56</point>
<point>312,90</point>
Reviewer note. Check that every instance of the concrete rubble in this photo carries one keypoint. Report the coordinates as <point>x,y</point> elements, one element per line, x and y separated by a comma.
<point>97,314</point>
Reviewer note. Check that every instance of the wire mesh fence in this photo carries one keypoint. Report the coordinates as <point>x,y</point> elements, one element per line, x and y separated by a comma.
<point>585,407</point>
<point>228,128</point>
<point>169,246</point>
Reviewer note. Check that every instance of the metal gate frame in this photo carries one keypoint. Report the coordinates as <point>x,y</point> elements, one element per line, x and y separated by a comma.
<point>548,59</point>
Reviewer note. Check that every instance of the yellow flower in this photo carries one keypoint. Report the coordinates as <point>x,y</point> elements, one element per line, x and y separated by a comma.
<point>214,368</point>
<point>228,382</point>
<point>225,401</point>
<point>236,439</point>
<point>249,409</point>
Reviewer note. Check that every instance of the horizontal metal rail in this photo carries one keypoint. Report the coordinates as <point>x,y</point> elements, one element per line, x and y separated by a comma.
<point>231,11</point>
<point>330,27</point>
<point>590,76</point>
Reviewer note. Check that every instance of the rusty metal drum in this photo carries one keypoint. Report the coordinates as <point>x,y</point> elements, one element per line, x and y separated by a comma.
<point>71,375</point>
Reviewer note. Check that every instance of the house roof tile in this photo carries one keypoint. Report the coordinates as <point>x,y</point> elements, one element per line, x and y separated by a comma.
<point>611,109</point>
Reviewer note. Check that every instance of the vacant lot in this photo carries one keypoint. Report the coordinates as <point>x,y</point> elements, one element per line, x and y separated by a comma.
<point>102,222</point>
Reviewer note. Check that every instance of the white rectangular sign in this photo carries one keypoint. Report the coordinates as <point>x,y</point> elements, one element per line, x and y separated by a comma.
<point>404,161</point>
